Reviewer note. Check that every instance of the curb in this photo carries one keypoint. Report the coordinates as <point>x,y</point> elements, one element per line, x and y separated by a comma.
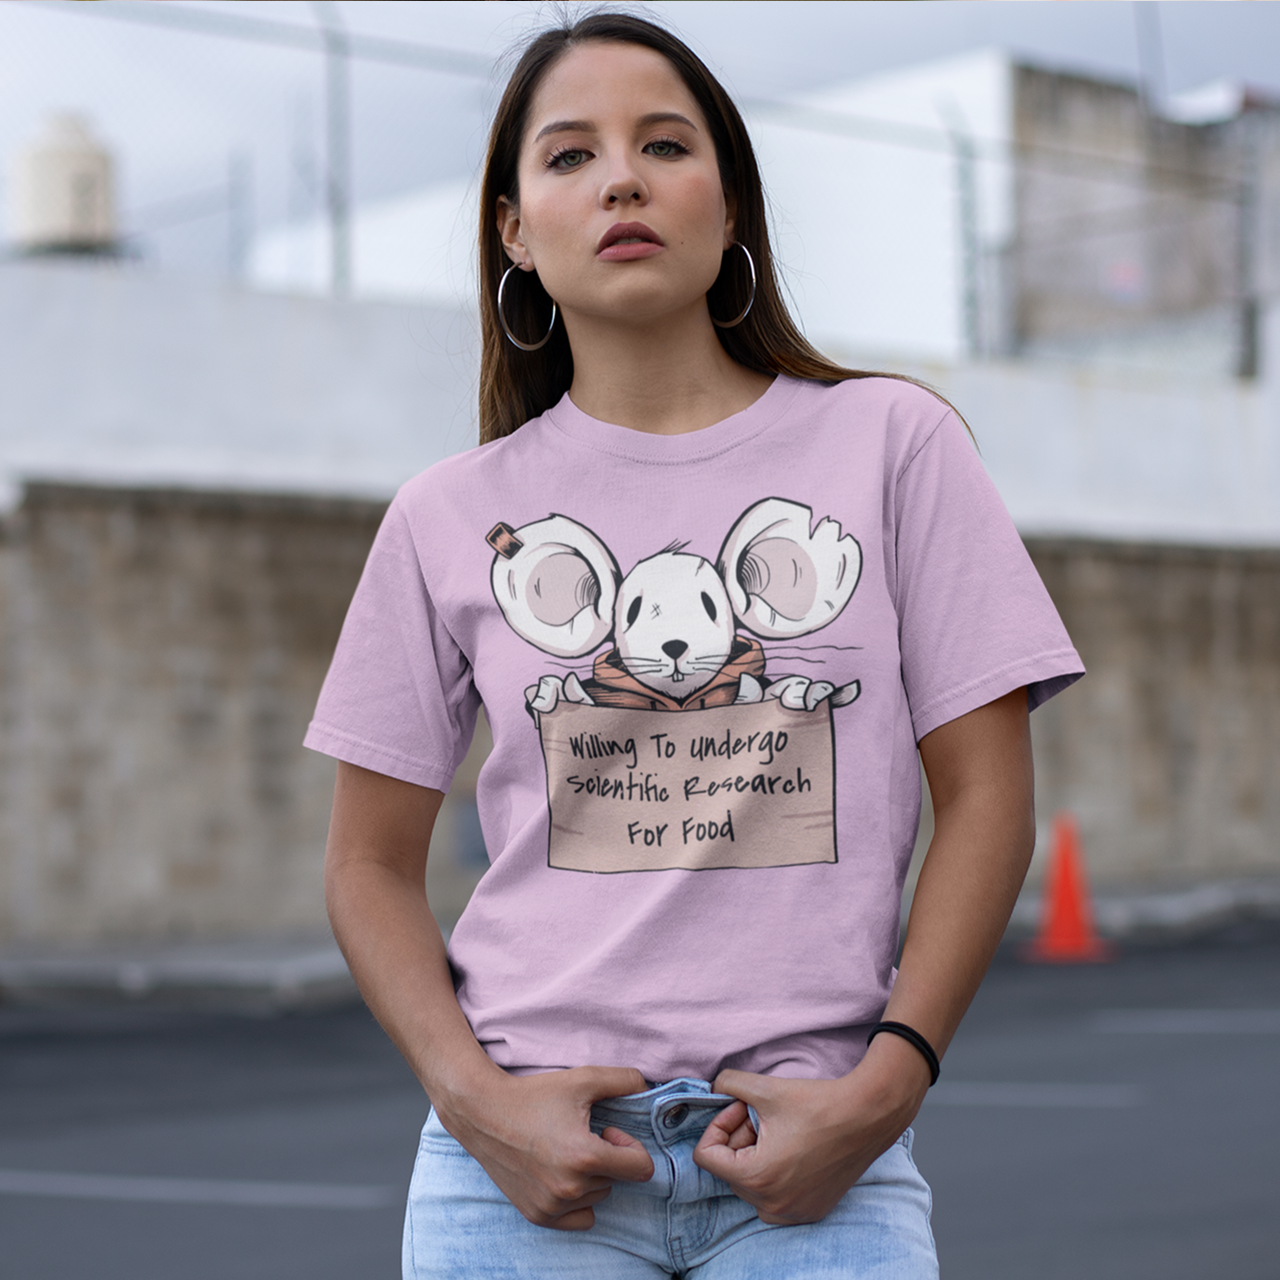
<point>261,974</point>
<point>1168,915</point>
<point>269,975</point>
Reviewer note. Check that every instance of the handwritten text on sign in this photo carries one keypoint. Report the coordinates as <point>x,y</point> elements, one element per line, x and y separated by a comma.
<point>744,786</point>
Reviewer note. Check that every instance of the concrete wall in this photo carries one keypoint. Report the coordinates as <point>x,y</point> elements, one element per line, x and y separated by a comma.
<point>1169,751</point>
<point>161,651</point>
<point>1122,218</point>
<point>113,373</point>
<point>1134,456</point>
<point>161,654</point>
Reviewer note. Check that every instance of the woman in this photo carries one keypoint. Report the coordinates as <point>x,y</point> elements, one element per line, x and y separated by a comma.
<point>712,591</point>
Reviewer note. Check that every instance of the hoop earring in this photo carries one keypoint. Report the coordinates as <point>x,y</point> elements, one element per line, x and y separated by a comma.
<point>751,297</point>
<point>506,328</point>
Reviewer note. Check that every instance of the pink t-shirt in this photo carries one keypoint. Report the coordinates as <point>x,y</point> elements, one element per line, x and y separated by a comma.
<point>706,660</point>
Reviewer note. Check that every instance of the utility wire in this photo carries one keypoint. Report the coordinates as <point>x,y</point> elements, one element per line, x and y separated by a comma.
<point>177,17</point>
<point>812,119</point>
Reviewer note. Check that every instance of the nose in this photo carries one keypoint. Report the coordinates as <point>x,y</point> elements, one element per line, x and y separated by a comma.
<point>623,186</point>
<point>674,648</point>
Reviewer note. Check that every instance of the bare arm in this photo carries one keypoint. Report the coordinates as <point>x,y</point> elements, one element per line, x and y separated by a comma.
<point>530,1133</point>
<point>981,778</point>
<point>817,1137</point>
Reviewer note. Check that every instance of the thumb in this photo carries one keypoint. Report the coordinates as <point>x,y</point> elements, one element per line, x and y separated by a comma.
<point>714,1154</point>
<point>755,1090</point>
<point>628,1161</point>
<point>595,1083</point>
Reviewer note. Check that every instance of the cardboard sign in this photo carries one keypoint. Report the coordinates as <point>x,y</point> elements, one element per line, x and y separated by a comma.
<point>742,786</point>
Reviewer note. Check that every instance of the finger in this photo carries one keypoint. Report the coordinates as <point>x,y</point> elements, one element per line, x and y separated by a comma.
<point>731,1131</point>
<point>745,1086</point>
<point>619,1138</point>
<point>595,1083</point>
<point>622,1158</point>
<point>577,1220</point>
<point>725,1123</point>
<point>719,1160</point>
<point>585,1201</point>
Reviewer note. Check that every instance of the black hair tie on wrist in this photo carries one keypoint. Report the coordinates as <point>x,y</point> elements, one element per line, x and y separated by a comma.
<point>915,1038</point>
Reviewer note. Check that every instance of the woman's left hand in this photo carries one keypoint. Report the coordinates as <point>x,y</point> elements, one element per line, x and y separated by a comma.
<point>816,1137</point>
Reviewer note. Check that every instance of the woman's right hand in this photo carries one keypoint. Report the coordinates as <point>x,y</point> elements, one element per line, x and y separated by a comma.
<point>530,1133</point>
<point>532,1136</point>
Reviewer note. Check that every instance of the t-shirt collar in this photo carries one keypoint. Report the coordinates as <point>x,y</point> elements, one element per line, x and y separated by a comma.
<point>645,447</point>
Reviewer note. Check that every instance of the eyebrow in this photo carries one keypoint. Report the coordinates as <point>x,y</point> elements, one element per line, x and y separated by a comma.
<point>585,126</point>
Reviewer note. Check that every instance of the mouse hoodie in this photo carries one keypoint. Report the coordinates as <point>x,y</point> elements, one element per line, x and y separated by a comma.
<point>612,685</point>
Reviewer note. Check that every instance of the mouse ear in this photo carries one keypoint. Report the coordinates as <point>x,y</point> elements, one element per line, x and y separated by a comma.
<point>555,583</point>
<point>783,580</point>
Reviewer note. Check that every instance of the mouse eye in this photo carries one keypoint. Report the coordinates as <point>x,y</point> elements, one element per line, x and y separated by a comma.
<point>709,605</point>
<point>634,611</point>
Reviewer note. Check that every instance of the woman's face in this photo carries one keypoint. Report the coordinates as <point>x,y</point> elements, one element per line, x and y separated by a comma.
<point>621,210</point>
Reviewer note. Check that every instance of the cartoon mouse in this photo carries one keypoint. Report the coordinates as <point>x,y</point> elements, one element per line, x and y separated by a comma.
<point>674,619</point>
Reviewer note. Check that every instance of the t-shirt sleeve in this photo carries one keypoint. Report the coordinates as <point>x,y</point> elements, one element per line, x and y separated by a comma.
<point>975,621</point>
<point>399,698</point>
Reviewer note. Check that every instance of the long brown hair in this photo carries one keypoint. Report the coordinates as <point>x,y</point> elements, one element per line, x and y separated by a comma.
<point>517,385</point>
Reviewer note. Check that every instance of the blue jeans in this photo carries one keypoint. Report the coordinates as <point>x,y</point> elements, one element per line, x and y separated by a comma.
<point>683,1222</point>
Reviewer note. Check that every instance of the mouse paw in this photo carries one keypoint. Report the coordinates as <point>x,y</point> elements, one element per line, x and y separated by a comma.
<point>846,694</point>
<point>815,693</point>
<point>574,692</point>
<point>749,690</point>
<point>802,694</point>
<point>545,694</point>
<point>789,691</point>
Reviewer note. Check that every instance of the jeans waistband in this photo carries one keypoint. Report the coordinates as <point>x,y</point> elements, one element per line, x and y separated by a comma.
<point>673,1112</point>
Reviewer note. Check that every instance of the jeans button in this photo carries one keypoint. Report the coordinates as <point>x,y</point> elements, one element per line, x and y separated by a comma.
<point>675,1116</point>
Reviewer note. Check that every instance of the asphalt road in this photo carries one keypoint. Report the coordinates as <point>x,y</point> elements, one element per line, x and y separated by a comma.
<point>1110,1121</point>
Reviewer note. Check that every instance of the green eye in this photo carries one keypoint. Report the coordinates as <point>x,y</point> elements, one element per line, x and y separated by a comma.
<point>570,159</point>
<point>666,148</point>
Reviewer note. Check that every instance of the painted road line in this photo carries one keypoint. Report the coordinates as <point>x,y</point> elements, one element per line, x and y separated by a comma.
<point>1187,1022</point>
<point>974,1093</point>
<point>265,1195</point>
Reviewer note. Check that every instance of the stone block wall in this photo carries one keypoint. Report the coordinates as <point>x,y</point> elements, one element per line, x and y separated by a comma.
<point>1169,750</point>
<point>161,651</point>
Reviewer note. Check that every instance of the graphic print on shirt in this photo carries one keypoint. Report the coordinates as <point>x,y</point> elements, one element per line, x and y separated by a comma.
<point>744,774</point>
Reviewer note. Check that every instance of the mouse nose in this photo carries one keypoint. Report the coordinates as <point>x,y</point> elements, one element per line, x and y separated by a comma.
<point>674,648</point>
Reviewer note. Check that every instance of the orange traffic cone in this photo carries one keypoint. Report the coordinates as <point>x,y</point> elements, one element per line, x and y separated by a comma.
<point>1067,935</point>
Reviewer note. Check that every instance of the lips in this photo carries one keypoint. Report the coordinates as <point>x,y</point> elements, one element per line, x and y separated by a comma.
<point>630,235</point>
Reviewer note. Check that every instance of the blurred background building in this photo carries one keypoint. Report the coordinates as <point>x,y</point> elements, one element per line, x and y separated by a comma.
<point>194,467</point>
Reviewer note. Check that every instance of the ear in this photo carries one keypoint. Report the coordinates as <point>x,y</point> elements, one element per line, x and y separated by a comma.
<point>556,584</point>
<point>508,216</point>
<point>783,580</point>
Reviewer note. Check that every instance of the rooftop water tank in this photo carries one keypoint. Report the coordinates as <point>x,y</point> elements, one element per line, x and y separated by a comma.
<point>64,191</point>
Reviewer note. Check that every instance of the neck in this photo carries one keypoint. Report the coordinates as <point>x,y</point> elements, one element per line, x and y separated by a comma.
<point>666,377</point>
